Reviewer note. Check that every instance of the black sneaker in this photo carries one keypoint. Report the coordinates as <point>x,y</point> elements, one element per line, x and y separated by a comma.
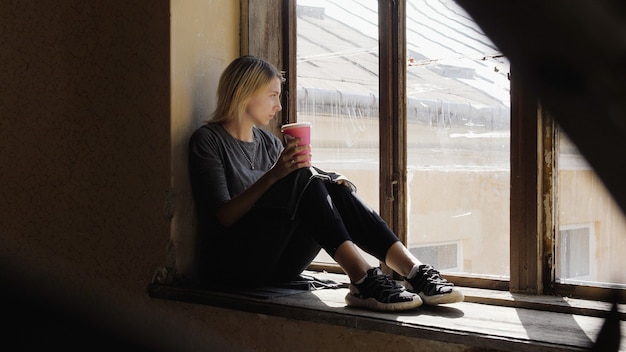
<point>432,288</point>
<point>379,292</point>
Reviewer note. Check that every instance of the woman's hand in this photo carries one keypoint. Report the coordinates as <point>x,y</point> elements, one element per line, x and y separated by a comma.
<point>288,162</point>
<point>290,159</point>
<point>344,182</point>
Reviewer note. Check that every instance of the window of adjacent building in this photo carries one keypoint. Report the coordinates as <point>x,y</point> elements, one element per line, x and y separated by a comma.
<point>574,248</point>
<point>445,256</point>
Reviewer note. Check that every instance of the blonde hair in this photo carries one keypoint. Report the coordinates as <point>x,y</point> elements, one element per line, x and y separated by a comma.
<point>243,78</point>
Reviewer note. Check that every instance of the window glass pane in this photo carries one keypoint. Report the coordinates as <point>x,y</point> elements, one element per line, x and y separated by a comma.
<point>458,140</point>
<point>591,241</point>
<point>337,75</point>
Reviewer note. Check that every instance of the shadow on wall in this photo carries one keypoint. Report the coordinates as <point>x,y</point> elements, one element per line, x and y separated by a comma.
<point>184,249</point>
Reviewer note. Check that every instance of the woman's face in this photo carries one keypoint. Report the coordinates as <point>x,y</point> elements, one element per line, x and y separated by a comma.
<point>262,107</point>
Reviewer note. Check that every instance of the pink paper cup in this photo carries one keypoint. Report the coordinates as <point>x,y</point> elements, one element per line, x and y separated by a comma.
<point>300,130</point>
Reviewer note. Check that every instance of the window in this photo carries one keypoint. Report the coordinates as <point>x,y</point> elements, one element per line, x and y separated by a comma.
<point>458,137</point>
<point>338,90</point>
<point>543,187</point>
<point>457,123</point>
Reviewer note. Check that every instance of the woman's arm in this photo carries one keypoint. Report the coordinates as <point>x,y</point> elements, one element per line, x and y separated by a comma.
<point>238,206</point>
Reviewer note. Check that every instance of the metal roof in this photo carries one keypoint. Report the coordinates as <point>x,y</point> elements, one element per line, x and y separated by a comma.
<point>451,62</point>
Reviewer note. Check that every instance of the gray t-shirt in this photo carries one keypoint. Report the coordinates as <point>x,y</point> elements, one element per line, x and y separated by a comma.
<point>220,165</point>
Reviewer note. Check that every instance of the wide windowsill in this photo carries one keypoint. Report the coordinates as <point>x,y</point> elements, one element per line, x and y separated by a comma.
<point>487,319</point>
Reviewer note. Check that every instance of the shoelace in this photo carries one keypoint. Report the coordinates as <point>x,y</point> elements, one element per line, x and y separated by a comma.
<point>381,286</point>
<point>434,276</point>
<point>430,282</point>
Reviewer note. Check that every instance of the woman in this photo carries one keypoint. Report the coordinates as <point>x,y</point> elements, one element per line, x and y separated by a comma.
<point>264,212</point>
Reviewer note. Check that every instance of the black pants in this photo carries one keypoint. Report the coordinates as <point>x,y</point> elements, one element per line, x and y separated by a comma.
<point>269,245</point>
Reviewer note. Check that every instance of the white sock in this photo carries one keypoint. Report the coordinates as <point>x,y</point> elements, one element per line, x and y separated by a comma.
<point>413,271</point>
<point>361,280</point>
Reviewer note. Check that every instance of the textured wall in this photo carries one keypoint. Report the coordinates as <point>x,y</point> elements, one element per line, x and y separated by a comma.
<point>84,146</point>
<point>85,134</point>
